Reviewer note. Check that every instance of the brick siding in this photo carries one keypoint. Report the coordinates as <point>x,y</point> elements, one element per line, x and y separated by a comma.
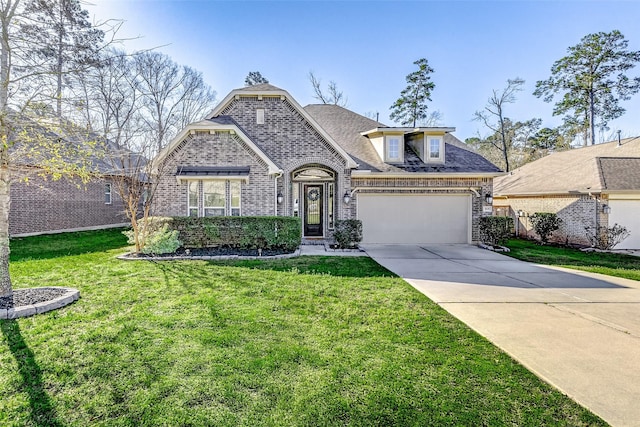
<point>576,212</point>
<point>286,137</point>
<point>41,206</point>
<point>292,143</point>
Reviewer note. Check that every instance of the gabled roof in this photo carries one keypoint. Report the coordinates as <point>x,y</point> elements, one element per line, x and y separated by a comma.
<point>592,169</point>
<point>266,89</point>
<point>348,129</point>
<point>220,123</point>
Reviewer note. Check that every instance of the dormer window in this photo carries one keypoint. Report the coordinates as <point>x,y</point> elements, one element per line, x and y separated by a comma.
<point>394,148</point>
<point>435,149</point>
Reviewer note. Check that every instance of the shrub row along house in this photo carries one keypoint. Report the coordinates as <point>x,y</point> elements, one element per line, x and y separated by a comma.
<point>590,189</point>
<point>260,153</point>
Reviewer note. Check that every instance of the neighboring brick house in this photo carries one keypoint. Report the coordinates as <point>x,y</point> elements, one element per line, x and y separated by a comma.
<point>595,187</point>
<point>41,205</point>
<point>260,153</point>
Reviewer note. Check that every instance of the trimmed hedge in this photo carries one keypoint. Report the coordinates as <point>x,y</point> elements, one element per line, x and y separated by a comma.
<point>242,232</point>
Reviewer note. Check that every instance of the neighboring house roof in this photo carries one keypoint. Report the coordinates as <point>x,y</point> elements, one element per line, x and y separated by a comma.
<point>620,174</point>
<point>592,169</point>
<point>72,143</point>
<point>346,127</point>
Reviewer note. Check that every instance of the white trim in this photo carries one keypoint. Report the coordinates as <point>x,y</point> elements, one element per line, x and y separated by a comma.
<point>387,157</point>
<point>389,130</point>
<point>427,158</point>
<point>239,93</point>
<point>413,175</point>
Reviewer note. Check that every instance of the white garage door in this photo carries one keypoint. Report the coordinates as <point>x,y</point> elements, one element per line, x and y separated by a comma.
<point>415,219</point>
<point>627,213</point>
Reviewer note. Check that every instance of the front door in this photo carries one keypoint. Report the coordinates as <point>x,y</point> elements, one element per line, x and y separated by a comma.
<point>313,210</point>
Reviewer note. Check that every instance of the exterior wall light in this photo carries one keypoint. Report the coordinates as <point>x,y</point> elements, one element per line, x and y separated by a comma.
<point>488,198</point>
<point>520,213</point>
<point>346,198</point>
<point>279,198</point>
<point>606,209</point>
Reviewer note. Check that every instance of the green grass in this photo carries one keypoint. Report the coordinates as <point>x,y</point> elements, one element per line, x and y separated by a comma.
<point>312,341</point>
<point>611,264</point>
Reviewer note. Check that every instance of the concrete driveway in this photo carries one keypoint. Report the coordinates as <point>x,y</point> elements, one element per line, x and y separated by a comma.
<point>578,331</point>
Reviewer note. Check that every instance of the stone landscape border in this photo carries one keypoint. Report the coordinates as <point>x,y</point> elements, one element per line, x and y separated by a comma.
<point>130,256</point>
<point>70,295</point>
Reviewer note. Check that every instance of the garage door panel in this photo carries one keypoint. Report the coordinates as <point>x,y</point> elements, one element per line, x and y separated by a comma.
<point>627,214</point>
<point>414,219</point>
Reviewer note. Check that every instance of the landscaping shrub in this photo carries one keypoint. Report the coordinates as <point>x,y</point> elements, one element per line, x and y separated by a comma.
<point>153,225</point>
<point>242,232</point>
<point>162,241</point>
<point>496,230</point>
<point>348,233</point>
<point>607,237</point>
<point>544,224</point>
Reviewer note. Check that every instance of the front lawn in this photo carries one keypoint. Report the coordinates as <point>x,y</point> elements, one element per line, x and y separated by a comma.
<point>311,341</point>
<point>611,264</point>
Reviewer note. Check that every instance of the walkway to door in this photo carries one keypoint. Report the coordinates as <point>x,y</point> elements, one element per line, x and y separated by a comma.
<point>578,331</point>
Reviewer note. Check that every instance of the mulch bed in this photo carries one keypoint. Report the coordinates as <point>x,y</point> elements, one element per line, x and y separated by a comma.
<point>212,252</point>
<point>22,297</point>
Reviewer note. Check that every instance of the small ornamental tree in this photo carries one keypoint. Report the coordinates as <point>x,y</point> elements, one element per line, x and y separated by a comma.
<point>607,238</point>
<point>544,224</point>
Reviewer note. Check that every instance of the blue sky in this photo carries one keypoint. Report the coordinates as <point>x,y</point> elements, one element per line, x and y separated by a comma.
<point>368,47</point>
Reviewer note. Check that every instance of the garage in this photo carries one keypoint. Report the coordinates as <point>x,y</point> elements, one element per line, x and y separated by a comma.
<point>415,218</point>
<point>625,212</point>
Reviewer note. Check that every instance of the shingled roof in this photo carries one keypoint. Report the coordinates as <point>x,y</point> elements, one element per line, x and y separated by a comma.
<point>345,127</point>
<point>596,168</point>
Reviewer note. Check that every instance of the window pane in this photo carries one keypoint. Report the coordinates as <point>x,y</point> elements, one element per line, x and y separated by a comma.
<point>234,189</point>
<point>193,195</point>
<point>394,148</point>
<point>214,212</point>
<point>434,148</point>
<point>193,211</point>
<point>214,195</point>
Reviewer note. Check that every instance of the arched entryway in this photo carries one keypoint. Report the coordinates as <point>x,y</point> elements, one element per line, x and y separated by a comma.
<point>313,189</point>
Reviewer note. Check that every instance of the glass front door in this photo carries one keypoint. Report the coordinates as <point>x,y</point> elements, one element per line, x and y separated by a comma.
<point>313,210</point>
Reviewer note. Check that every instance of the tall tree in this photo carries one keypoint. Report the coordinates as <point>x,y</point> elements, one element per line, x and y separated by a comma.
<point>66,40</point>
<point>546,141</point>
<point>411,107</point>
<point>254,78</point>
<point>331,96</point>
<point>493,117</point>
<point>592,80</point>
<point>27,137</point>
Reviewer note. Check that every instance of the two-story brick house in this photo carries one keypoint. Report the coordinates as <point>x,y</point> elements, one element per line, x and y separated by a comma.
<point>260,153</point>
